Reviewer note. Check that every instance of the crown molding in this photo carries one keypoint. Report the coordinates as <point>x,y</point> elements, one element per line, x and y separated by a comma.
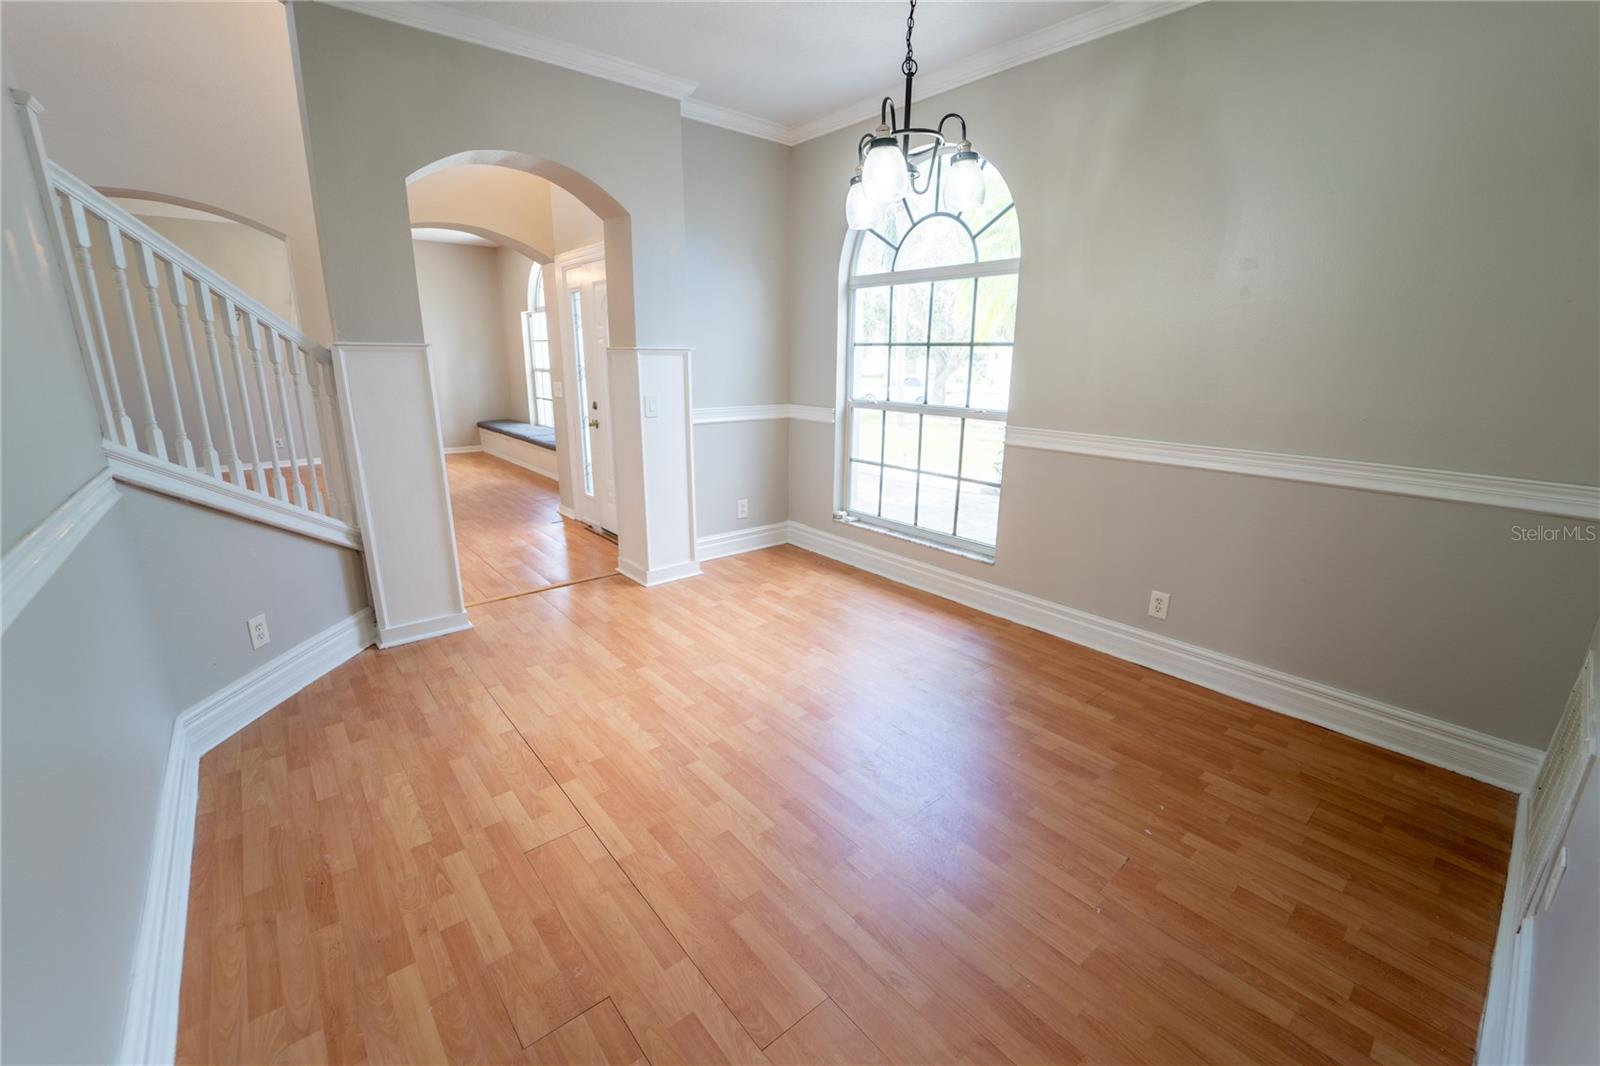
<point>443,19</point>
<point>447,21</point>
<point>1068,33</point>
<point>737,121</point>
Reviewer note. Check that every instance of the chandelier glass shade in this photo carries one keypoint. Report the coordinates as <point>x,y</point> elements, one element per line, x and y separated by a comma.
<point>896,161</point>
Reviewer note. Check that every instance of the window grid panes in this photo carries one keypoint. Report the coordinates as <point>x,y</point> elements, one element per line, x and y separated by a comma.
<point>542,408</point>
<point>932,307</point>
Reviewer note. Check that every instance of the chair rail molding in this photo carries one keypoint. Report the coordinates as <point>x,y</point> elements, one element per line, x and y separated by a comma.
<point>1553,498</point>
<point>150,1027</point>
<point>34,559</point>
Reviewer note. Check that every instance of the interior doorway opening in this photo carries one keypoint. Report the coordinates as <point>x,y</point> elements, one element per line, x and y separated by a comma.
<point>510,274</point>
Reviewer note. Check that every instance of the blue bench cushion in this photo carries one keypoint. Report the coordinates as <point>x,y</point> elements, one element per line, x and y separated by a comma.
<point>543,436</point>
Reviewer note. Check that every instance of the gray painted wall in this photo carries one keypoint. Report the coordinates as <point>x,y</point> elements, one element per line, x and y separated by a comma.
<point>1353,230</point>
<point>465,323</point>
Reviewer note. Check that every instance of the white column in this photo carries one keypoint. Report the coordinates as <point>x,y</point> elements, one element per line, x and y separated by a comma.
<point>652,446</point>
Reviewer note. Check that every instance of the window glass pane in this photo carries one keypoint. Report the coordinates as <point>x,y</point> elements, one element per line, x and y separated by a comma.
<point>900,439</point>
<point>1001,240</point>
<point>899,495</point>
<point>866,435</point>
<point>996,198</point>
<point>869,372</point>
<point>997,309</point>
<point>547,413</point>
<point>947,376</point>
<point>907,366</point>
<point>864,487</point>
<point>979,516</point>
<point>875,255</point>
<point>541,355</point>
<point>872,315</point>
<point>936,503</point>
<point>937,240</point>
<point>984,450</point>
<point>952,310</point>
<point>541,384</point>
<point>991,378</point>
<point>537,325</point>
<point>910,311</point>
<point>941,441</point>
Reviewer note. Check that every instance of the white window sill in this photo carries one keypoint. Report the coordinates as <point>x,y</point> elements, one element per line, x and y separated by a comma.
<point>977,555</point>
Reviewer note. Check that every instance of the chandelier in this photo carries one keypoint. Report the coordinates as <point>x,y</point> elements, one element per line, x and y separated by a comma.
<point>894,159</point>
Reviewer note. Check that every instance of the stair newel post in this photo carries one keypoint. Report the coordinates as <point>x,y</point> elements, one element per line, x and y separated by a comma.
<point>179,292</point>
<point>298,369</point>
<point>152,286</point>
<point>325,431</point>
<point>204,303</point>
<point>264,393</point>
<point>278,342</point>
<point>230,322</point>
<point>123,425</point>
<point>119,274</point>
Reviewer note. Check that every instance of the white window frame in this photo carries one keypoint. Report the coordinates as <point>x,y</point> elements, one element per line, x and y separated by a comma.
<point>539,378</point>
<point>960,271</point>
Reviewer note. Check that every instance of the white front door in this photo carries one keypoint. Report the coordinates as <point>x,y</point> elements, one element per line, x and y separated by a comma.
<point>584,322</point>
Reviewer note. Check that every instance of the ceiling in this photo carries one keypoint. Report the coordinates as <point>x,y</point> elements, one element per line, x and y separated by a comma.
<point>787,71</point>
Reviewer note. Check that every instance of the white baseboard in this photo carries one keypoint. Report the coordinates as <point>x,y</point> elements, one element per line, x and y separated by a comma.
<point>658,576</point>
<point>34,559</point>
<point>438,626</point>
<point>465,449</point>
<point>737,541</point>
<point>1465,751</point>
<point>150,1027</point>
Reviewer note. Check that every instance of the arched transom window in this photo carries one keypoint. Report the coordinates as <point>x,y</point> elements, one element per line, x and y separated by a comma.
<point>932,304</point>
<point>536,349</point>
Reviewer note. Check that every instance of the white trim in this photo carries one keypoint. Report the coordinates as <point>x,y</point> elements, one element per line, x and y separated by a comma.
<point>988,268</point>
<point>738,541</point>
<point>448,21</point>
<point>195,486</point>
<point>1492,490</point>
<point>737,121</point>
<point>1069,33</point>
<point>150,1027</point>
<point>423,629</point>
<point>763,412</point>
<point>1453,747</point>
<point>1503,1028</point>
<point>659,576</point>
<point>524,454</point>
<point>34,559</point>
<point>465,449</point>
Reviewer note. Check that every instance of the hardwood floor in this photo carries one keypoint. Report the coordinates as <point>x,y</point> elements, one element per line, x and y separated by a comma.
<point>789,812</point>
<point>510,536</point>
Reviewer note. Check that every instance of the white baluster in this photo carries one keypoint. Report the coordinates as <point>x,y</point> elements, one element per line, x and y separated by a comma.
<point>297,367</point>
<point>154,441</point>
<point>80,226</point>
<point>152,285</point>
<point>278,344</point>
<point>180,303</point>
<point>253,332</point>
<point>230,322</point>
<point>325,432</point>
<point>208,323</point>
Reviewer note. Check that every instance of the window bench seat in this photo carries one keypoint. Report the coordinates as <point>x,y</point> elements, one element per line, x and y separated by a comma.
<point>528,446</point>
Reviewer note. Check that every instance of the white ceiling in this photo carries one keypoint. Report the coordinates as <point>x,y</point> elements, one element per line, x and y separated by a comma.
<point>787,71</point>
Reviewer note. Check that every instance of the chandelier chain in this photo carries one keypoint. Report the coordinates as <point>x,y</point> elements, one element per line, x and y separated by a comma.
<point>909,67</point>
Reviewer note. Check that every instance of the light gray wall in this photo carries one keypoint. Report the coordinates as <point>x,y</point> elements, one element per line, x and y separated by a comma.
<point>464,323</point>
<point>258,263</point>
<point>1363,231</point>
<point>736,192</point>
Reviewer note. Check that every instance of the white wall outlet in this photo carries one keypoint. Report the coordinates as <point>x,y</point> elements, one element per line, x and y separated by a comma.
<point>744,508</point>
<point>1158,604</point>
<point>652,407</point>
<point>277,442</point>
<point>258,631</point>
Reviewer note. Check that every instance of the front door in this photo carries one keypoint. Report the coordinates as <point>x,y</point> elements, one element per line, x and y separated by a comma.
<point>584,299</point>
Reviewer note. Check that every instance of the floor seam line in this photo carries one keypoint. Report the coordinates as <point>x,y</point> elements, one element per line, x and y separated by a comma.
<point>543,588</point>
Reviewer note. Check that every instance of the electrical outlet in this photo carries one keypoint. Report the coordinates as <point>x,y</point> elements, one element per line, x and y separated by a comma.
<point>744,508</point>
<point>1158,604</point>
<point>277,442</point>
<point>258,631</point>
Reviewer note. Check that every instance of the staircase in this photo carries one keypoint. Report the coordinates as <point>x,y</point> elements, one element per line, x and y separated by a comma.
<point>203,393</point>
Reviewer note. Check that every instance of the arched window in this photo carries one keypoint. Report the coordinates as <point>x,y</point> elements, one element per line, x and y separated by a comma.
<point>536,348</point>
<point>932,306</point>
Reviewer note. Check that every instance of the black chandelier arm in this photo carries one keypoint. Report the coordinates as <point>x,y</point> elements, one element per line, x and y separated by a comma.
<point>886,113</point>
<point>954,115</point>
